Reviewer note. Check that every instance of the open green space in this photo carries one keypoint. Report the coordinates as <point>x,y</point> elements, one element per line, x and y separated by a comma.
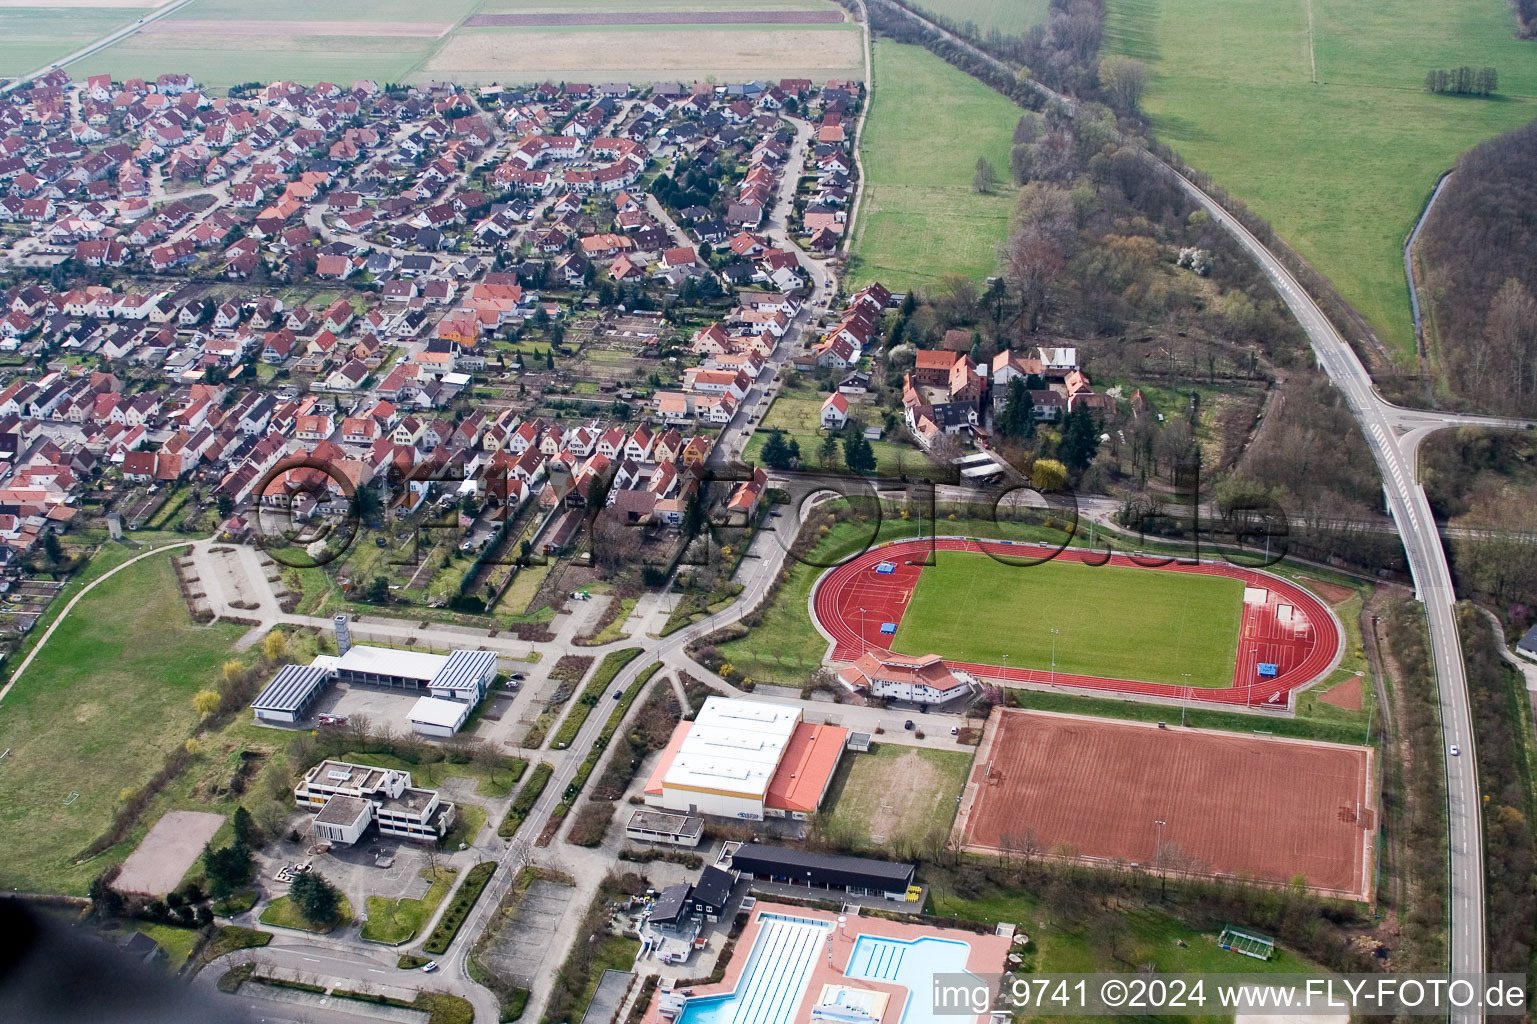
<point>283,49</point>
<point>784,646</point>
<point>399,920</point>
<point>612,953</point>
<point>34,37</point>
<point>1313,113</point>
<point>919,218</point>
<point>489,782</point>
<point>641,6</point>
<point>894,796</point>
<point>1011,17</point>
<point>1105,942</point>
<point>96,714</point>
<point>798,412</point>
<point>283,912</point>
<point>1149,625</point>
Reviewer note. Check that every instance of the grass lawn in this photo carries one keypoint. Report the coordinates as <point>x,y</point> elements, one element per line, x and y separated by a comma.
<point>798,412</point>
<point>467,825</point>
<point>894,796</point>
<point>248,53</point>
<point>920,218</point>
<point>613,953</point>
<point>1147,936</point>
<point>1341,165</point>
<point>283,912</point>
<point>1117,622</point>
<point>96,713</point>
<point>495,784</point>
<point>396,921</point>
<point>33,37</point>
<point>592,695</point>
<point>785,647</point>
<point>1011,17</point>
<point>524,586</point>
<point>177,943</point>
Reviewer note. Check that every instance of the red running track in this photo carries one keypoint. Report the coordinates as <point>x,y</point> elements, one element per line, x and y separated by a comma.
<point>1286,626</point>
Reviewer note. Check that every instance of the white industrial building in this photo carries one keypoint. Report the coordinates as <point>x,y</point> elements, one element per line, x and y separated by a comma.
<point>746,759</point>
<point>350,797</point>
<point>287,699</point>
<point>454,683</point>
<point>438,716</point>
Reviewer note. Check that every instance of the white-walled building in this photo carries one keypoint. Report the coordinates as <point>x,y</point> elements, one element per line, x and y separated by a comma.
<point>746,759</point>
<point>350,797</point>
<point>923,680</point>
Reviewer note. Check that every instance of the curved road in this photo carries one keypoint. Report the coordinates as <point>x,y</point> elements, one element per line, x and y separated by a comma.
<point>76,600</point>
<point>1393,434</point>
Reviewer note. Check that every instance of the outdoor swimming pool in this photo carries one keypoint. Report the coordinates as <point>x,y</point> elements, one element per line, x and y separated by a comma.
<point>911,965</point>
<point>773,980</point>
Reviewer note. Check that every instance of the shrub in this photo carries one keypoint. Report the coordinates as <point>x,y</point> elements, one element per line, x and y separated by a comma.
<point>475,881</point>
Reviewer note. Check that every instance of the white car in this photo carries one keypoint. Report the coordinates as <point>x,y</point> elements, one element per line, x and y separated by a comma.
<point>1455,751</point>
<point>429,966</point>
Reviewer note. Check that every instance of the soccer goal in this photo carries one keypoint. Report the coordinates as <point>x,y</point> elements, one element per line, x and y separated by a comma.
<point>1248,943</point>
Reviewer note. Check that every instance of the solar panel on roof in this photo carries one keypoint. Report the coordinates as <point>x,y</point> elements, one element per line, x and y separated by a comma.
<point>291,688</point>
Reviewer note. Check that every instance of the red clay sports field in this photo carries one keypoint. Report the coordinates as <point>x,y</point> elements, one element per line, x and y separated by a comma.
<point>1283,624</point>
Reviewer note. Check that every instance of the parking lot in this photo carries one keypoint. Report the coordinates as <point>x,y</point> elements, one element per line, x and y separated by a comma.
<point>522,951</point>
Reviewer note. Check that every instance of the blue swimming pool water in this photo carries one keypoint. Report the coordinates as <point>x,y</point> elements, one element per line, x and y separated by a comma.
<point>773,979</point>
<point>911,965</point>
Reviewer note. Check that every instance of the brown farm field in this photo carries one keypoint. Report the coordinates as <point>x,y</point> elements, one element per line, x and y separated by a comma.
<point>1181,800</point>
<point>645,53</point>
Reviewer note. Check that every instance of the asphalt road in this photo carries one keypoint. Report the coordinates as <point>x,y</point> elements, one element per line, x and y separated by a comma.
<point>100,44</point>
<point>1393,435</point>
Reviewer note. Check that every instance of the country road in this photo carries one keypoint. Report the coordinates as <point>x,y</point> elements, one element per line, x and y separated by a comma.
<point>100,44</point>
<point>1393,434</point>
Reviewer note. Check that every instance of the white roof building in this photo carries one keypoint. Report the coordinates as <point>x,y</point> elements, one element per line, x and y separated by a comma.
<point>436,716</point>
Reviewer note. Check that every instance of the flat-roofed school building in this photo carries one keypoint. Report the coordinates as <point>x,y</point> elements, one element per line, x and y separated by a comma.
<point>350,797</point>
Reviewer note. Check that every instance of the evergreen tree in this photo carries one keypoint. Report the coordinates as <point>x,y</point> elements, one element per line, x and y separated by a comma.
<point>858,456</point>
<point>245,828</point>
<point>828,450</point>
<point>776,454</point>
<point>226,869</point>
<point>316,899</point>
<point>1080,440</point>
<point>1018,416</point>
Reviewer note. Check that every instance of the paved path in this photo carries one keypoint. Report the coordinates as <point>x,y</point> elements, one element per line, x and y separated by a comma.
<point>76,600</point>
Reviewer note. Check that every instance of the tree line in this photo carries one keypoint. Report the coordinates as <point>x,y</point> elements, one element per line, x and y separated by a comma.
<point>1504,777</point>
<point>1479,251</point>
<point>1463,81</point>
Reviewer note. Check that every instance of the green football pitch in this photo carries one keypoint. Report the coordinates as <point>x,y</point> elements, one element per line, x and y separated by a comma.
<point>1149,625</point>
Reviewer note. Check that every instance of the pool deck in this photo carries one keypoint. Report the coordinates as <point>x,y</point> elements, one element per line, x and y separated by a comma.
<point>986,956</point>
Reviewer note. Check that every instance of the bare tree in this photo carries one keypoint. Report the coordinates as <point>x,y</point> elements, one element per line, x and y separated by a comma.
<point>1124,80</point>
<point>985,178</point>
